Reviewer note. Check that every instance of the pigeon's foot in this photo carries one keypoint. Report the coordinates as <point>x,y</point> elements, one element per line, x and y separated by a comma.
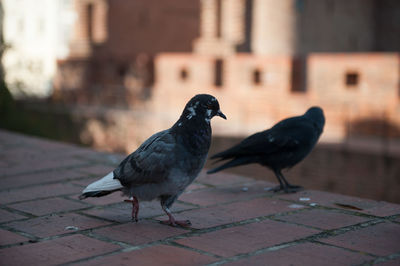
<point>135,208</point>
<point>172,222</point>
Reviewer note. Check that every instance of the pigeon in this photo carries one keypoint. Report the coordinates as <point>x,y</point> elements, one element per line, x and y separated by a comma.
<point>166,163</point>
<point>282,146</point>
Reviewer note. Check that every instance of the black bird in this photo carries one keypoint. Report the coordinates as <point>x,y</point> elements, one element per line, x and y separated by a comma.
<point>282,146</point>
<point>166,163</point>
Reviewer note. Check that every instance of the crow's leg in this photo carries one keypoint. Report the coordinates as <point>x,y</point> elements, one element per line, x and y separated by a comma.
<point>166,202</point>
<point>288,187</point>
<point>281,184</point>
<point>135,207</point>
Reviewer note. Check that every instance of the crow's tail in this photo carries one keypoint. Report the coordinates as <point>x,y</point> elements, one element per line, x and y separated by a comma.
<point>232,163</point>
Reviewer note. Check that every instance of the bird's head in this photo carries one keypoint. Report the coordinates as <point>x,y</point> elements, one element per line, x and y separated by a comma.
<point>316,114</point>
<point>202,106</point>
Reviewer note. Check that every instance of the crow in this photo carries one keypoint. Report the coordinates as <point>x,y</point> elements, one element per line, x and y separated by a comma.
<point>282,146</point>
<point>166,163</point>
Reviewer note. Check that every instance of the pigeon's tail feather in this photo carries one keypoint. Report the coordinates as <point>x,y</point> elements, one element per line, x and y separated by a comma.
<point>95,194</point>
<point>232,163</point>
<point>102,187</point>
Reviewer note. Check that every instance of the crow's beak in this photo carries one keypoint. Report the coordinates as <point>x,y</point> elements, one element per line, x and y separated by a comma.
<point>219,113</point>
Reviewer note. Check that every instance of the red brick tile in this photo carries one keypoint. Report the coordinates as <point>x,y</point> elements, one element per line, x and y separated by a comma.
<point>155,255</point>
<point>37,178</point>
<point>223,194</point>
<point>122,212</point>
<point>246,238</point>
<point>323,219</point>
<point>21,155</point>
<point>55,224</point>
<point>41,143</point>
<point>6,216</point>
<point>195,186</point>
<point>139,233</point>
<point>305,254</point>
<point>84,182</point>
<point>377,208</point>
<point>39,163</point>
<point>7,237</point>
<point>96,170</point>
<point>29,193</point>
<point>395,262</point>
<point>381,239</point>
<point>31,154</point>
<point>47,206</point>
<point>95,156</point>
<point>382,208</point>
<point>10,138</point>
<point>221,179</point>
<point>57,251</point>
<point>234,212</point>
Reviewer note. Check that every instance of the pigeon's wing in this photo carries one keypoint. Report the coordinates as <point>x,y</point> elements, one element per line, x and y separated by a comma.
<point>150,163</point>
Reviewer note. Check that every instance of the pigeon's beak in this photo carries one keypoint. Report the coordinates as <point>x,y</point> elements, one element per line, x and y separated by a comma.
<point>219,113</point>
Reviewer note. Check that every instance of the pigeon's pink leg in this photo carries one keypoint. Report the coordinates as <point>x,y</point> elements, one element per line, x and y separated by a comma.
<point>173,222</point>
<point>135,207</point>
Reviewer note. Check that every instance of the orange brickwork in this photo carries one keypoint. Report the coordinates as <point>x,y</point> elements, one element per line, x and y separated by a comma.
<point>257,91</point>
<point>259,57</point>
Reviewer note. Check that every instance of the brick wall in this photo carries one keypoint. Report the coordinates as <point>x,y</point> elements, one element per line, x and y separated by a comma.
<point>107,82</point>
<point>120,28</point>
<point>222,27</point>
<point>298,27</point>
<point>359,92</point>
<point>335,26</point>
<point>387,37</point>
<point>255,91</point>
<point>91,27</point>
<point>114,42</point>
<point>357,87</point>
<point>151,26</point>
<point>274,25</point>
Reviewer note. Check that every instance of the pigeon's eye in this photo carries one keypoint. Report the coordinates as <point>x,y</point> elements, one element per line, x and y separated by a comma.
<point>209,106</point>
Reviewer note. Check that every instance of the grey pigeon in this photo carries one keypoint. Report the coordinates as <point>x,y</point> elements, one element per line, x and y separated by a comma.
<point>166,163</point>
<point>282,146</point>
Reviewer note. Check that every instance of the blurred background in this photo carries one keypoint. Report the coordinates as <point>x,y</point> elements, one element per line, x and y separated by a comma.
<point>109,73</point>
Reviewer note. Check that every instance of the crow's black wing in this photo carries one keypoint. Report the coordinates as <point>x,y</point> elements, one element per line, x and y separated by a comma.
<point>288,134</point>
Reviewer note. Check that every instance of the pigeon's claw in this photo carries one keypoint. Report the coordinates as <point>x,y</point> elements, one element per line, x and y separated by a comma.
<point>135,208</point>
<point>172,222</point>
<point>183,223</point>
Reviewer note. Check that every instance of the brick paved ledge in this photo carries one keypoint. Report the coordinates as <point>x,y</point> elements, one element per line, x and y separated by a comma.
<point>236,221</point>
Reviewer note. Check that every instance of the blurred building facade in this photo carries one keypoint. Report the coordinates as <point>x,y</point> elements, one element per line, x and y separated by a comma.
<point>113,46</point>
<point>36,35</point>
<point>269,59</point>
<point>263,59</point>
